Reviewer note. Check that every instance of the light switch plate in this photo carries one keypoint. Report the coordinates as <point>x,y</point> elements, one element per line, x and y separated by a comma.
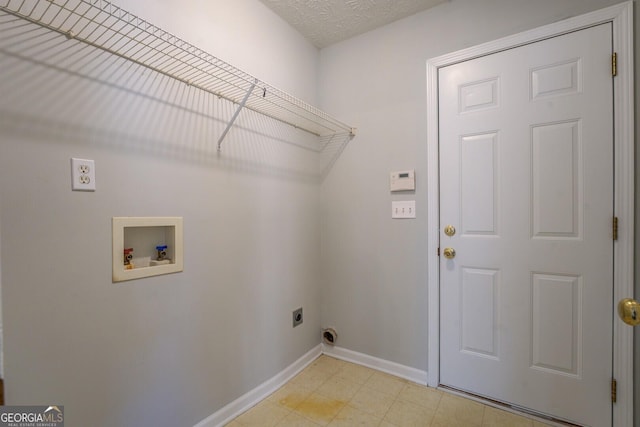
<point>403,209</point>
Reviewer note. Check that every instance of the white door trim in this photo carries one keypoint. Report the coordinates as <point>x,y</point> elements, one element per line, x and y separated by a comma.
<point>621,16</point>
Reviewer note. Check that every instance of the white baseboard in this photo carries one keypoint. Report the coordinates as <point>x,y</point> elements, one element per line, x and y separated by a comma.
<point>246,401</point>
<point>402,371</point>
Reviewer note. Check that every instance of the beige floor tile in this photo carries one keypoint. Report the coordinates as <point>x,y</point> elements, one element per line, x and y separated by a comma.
<point>319,409</point>
<point>421,395</point>
<point>290,395</point>
<point>455,411</point>
<point>327,364</point>
<point>407,414</point>
<point>295,420</point>
<point>372,401</point>
<point>311,379</point>
<point>337,393</point>
<point>496,418</point>
<point>350,416</point>
<point>539,424</point>
<point>386,383</point>
<point>339,389</point>
<point>355,373</point>
<point>440,420</point>
<point>264,414</point>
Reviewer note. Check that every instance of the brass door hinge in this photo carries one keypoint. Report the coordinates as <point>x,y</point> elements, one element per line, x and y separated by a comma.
<point>614,390</point>
<point>614,228</point>
<point>614,64</point>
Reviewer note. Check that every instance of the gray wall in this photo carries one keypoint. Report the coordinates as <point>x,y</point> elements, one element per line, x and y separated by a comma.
<point>168,350</point>
<point>374,268</point>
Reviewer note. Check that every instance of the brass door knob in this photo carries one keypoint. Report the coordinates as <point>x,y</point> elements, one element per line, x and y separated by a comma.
<point>449,253</point>
<point>629,311</point>
<point>449,230</point>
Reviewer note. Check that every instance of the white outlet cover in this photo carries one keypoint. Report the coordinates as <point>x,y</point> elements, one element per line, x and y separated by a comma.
<point>83,175</point>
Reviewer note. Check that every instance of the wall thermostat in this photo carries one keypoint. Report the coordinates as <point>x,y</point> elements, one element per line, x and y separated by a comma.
<point>403,180</point>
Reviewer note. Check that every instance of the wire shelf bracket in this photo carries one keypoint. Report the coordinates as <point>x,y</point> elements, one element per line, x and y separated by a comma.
<point>235,115</point>
<point>105,26</point>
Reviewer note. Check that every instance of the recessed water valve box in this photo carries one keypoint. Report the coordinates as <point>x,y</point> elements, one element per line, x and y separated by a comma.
<point>151,246</point>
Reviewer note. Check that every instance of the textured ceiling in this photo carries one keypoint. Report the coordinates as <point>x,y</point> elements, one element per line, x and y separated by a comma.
<point>324,22</point>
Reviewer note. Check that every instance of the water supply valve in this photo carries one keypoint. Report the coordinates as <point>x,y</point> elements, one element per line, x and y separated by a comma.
<point>128,256</point>
<point>162,252</point>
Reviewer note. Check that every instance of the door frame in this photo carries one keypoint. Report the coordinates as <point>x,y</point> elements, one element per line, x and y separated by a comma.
<point>621,17</point>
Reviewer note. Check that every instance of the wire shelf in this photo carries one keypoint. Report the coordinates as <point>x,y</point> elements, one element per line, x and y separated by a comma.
<point>107,27</point>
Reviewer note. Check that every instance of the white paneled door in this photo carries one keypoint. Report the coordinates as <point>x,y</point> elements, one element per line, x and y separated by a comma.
<point>526,181</point>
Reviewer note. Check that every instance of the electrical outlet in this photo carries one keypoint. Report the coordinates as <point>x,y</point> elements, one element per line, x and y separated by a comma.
<point>83,175</point>
<point>297,317</point>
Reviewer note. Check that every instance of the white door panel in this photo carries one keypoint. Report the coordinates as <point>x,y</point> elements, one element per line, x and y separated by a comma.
<point>526,176</point>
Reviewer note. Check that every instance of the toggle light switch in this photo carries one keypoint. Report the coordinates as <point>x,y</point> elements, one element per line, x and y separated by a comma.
<point>403,209</point>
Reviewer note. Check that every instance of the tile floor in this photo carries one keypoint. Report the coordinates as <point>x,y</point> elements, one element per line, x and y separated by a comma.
<point>331,392</point>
